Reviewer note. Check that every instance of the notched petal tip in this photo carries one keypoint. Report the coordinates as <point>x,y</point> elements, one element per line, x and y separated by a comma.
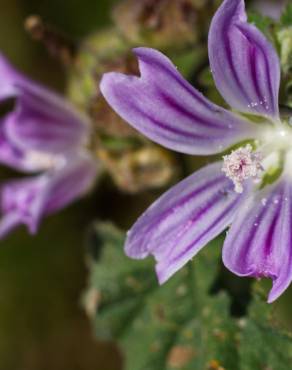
<point>184,220</point>
<point>163,106</point>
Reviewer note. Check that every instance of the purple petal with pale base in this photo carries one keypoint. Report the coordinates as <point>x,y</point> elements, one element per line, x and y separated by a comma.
<point>27,201</point>
<point>71,181</point>
<point>163,106</point>
<point>259,243</point>
<point>41,120</point>
<point>10,155</point>
<point>184,220</point>
<point>8,74</point>
<point>245,66</point>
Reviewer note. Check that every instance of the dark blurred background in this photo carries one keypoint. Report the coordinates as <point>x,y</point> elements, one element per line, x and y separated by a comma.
<point>42,324</point>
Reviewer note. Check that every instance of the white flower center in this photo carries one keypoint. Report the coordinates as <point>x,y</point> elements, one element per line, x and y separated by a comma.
<point>274,152</point>
<point>242,164</point>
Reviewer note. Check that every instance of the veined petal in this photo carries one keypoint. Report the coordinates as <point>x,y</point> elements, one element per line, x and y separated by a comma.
<point>7,75</point>
<point>259,242</point>
<point>71,181</point>
<point>10,155</point>
<point>184,220</point>
<point>44,121</point>
<point>245,66</point>
<point>163,106</point>
<point>27,201</point>
<point>24,160</point>
<point>41,120</point>
<point>22,203</point>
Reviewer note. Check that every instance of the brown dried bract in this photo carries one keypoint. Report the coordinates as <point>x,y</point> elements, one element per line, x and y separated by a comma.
<point>180,356</point>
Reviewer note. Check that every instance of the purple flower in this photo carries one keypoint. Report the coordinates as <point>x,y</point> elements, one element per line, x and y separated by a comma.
<point>251,189</point>
<point>45,136</point>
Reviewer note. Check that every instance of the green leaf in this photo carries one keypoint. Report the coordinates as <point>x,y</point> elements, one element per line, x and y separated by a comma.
<point>161,327</point>
<point>263,23</point>
<point>263,344</point>
<point>187,62</point>
<point>179,325</point>
<point>286,18</point>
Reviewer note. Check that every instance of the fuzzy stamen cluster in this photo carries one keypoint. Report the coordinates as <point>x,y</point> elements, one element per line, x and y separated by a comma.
<point>242,164</point>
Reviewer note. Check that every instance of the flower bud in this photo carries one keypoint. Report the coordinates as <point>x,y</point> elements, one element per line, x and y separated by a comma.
<point>98,54</point>
<point>162,24</point>
<point>138,170</point>
<point>133,163</point>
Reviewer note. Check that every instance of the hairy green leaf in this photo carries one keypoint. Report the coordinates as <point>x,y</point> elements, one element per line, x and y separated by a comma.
<point>286,19</point>
<point>179,325</point>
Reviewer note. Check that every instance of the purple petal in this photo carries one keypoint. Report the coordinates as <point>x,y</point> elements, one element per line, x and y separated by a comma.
<point>27,201</point>
<point>184,220</point>
<point>10,155</point>
<point>42,120</point>
<point>22,203</point>
<point>168,110</point>
<point>8,75</point>
<point>259,243</point>
<point>71,181</point>
<point>245,65</point>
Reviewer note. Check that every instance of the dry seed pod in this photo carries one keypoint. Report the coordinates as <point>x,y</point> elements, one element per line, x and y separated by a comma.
<point>100,53</point>
<point>133,162</point>
<point>146,168</point>
<point>163,24</point>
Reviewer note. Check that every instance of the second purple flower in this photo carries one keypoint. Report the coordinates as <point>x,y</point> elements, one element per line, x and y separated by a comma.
<point>45,136</point>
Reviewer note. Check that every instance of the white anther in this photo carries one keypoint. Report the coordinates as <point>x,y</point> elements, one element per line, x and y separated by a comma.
<point>241,165</point>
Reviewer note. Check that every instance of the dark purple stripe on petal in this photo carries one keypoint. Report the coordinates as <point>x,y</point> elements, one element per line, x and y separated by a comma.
<point>253,71</point>
<point>259,242</point>
<point>271,92</point>
<point>201,214</point>
<point>245,65</point>
<point>162,217</point>
<point>184,219</point>
<point>230,61</point>
<point>167,127</point>
<point>253,230</point>
<point>153,62</point>
<point>168,110</point>
<point>176,106</point>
